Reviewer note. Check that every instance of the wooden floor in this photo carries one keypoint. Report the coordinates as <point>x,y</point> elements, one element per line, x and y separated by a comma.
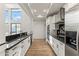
<point>40,48</point>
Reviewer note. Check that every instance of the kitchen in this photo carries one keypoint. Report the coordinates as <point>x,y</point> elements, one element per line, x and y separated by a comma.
<point>22,24</point>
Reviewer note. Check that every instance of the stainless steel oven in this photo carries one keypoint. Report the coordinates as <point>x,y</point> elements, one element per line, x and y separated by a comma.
<point>71,39</point>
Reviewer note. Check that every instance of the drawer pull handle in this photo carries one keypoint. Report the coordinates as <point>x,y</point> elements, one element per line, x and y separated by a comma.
<point>14,48</point>
<point>14,54</point>
<point>22,46</point>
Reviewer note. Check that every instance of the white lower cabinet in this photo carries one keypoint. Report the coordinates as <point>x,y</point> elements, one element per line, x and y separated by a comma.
<point>20,49</point>
<point>50,39</point>
<point>15,51</point>
<point>25,46</point>
<point>61,49</point>
<point>58,47</point>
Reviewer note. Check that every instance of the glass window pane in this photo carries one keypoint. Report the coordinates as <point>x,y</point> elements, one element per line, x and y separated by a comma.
<point>16,15</point>
<point>18,28</point>
<point>7,16</point>
<point>14,28</point>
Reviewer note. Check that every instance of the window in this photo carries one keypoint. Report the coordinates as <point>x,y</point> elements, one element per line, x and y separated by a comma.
<point>16,15</point>
<point>18,28</point>
<point>15,28</point>
<point>13,16</point>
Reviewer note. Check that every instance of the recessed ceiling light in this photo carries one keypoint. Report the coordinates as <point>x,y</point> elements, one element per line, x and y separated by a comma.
<point>35,10</point>
<point>45,10</point>
<point>39,16</point>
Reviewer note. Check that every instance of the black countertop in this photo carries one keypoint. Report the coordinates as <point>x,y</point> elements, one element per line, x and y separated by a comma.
<point>21,39</point>
<point>63,41</point>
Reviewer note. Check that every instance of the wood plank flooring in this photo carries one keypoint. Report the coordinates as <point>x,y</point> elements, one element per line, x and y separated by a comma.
<point>40,48</point>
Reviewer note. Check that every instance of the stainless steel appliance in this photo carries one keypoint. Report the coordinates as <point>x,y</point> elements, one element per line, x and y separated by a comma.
<point>72,43</point>
<point>71,39</point>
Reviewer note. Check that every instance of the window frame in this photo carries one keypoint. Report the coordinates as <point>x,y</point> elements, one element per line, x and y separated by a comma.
<point>11,32</point>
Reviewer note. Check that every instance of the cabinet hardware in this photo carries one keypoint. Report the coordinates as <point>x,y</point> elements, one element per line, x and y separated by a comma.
<point>57,46</point>
<point>14,54</point>
<point>14,48</point>
<point>22,46</point>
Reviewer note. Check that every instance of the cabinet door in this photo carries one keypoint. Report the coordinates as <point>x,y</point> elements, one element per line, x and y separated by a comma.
<point>50,39</point>
<point>29,40</point>
<point>52,42</point>
<point>56,46</point>
<point>13,51</point>
<point>26,45</point>
<point>22,48</point>
<point>19,50</point>
<point>53,19</point>
<point>61,49</point>
<point>57,17</point>
<point>48,20</point>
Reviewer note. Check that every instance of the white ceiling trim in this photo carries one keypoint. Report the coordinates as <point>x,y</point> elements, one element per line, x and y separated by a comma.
<point>49,8</point>
<point>31,10</point>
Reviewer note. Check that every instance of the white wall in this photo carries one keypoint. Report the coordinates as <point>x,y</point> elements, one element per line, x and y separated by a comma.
<point>26,23</point>
<point>72,17</point>
<point>39,29</point>
<point>2,25</point>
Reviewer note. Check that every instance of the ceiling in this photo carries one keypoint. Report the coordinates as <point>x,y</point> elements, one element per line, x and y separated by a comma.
<point>41,10</point>
<point>55,8</point>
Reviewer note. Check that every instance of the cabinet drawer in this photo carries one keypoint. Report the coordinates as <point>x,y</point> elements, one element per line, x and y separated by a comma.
<point>16,53</point>
<point>13,51</point>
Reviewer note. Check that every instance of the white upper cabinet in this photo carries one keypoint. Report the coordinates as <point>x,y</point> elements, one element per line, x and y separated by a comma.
<point>57,18</point>
<point>48,21</point>
<point>52,20</point>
